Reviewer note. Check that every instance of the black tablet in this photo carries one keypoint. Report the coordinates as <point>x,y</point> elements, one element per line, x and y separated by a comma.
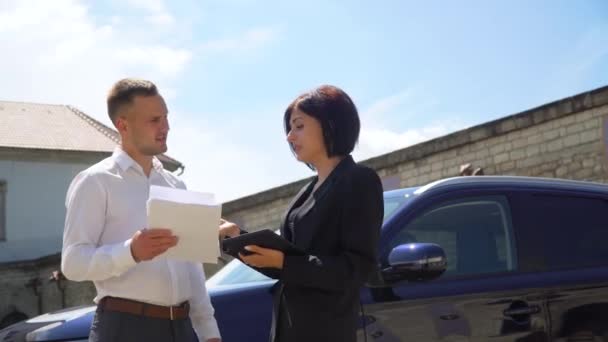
<point>263,238</point>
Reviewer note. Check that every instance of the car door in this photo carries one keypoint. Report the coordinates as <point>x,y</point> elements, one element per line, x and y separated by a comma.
<point>480,297</point>
<point>568,234</point>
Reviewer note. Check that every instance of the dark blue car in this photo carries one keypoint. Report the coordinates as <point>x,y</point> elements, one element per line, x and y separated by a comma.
<point>461,259</point>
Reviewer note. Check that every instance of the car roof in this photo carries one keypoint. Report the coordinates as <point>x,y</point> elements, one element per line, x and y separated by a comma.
<point>513,181</point>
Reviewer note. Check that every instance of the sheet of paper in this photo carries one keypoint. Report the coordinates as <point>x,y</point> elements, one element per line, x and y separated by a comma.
<point>192,216</point>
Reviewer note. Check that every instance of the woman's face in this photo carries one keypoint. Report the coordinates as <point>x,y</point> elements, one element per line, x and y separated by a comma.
<point>306,137</point>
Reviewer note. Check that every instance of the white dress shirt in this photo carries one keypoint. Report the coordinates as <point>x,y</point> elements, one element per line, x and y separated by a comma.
<point>106,205</point>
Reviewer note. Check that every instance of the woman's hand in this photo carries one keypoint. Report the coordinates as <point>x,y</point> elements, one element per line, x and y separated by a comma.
<point>263,257</point>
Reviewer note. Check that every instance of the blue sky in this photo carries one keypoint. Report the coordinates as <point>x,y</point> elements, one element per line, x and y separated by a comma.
<point>228,68</point>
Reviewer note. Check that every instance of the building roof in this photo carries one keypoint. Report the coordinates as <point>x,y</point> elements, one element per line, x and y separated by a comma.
<point>58,127</point>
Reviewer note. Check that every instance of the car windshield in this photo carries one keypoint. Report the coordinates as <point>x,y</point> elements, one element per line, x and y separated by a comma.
<point>235,272</point>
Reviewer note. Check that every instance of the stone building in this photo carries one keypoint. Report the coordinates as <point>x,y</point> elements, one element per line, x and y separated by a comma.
<point>42,147</point>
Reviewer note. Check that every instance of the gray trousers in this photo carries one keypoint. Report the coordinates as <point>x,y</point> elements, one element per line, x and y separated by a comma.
<point>111,326</point>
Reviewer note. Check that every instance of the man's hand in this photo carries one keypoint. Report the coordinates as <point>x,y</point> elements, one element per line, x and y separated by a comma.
<point>263,257</point>
<point>228,229</point>
<point>147,244</point>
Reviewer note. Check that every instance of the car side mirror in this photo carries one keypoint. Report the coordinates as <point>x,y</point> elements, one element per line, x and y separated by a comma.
<point>415,261</point>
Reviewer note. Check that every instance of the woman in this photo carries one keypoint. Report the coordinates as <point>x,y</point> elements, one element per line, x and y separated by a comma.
<point>335,219</point>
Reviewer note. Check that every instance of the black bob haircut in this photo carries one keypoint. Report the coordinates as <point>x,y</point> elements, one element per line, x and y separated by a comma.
<point>336,112</point>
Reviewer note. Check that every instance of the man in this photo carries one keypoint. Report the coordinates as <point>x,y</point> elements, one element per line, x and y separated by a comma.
<point>140,297</point>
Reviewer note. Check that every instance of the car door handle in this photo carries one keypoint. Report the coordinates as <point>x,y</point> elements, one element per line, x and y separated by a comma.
<point>528,310</point>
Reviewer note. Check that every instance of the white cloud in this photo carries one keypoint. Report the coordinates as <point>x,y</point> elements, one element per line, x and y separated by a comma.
<point>154,6</point>
<point>157,12</point>
<point>235,160</point>
<point>380,132</point>
<point>389,103</point>
<point>164,19</point>
<point>377,141</point>
<point>231,168</point>
<point>64,55</point>
<point>409,102</point>
<point>247,41</point>
<point>24,15</point>
<point>166,60</point>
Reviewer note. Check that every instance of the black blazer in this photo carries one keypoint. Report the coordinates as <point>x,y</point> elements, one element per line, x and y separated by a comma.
<point>339,231</point>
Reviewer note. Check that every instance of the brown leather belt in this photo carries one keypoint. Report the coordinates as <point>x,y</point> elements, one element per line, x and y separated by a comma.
<point>144,309</point>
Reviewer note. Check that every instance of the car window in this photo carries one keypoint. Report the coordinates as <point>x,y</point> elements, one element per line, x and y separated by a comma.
<point>393,203</point>
<point>574,230</point>
<point>475,234</point>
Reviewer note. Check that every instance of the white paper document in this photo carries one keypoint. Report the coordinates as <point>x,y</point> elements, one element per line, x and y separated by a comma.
<point>193,217</point>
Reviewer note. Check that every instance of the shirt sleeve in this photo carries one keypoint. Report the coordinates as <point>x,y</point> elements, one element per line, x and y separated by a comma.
<point>81,257</point>
<point>201,310</point>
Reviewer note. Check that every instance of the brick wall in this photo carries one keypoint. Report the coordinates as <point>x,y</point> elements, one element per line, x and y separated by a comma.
<point>25,288</point>
<point>567,147</point>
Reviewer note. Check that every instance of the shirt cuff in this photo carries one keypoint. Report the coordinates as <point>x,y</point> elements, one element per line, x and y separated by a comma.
<point>207,330</point>
<point>122,257</point>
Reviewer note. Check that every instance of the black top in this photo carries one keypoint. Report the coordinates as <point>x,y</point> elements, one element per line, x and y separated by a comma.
<point>295,214</point>
<point>338,227</point>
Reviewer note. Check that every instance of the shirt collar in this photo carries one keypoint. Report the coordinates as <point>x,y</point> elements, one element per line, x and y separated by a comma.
<point>125,161</point>
<point>157,164</point>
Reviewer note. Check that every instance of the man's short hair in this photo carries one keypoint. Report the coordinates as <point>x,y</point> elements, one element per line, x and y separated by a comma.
<point>124,91</point>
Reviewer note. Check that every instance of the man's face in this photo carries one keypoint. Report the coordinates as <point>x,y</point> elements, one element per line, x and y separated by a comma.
<point>145,125</point>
